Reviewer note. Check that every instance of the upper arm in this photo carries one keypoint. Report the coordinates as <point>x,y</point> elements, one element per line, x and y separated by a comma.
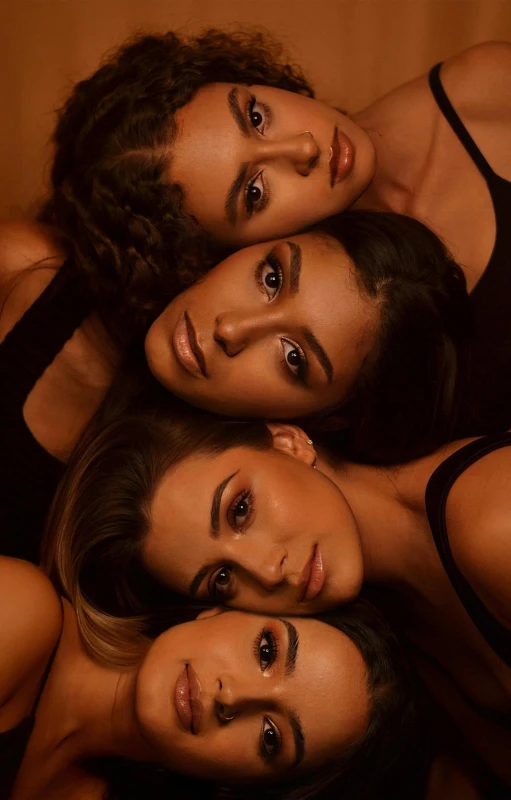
<point>478,517</point>
<point>30,623</point>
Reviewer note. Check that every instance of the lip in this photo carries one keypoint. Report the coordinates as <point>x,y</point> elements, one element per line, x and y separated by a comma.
<point>186,347</point>
<point>312,578</point>
<point>342,155</point>
<point>187,699</point>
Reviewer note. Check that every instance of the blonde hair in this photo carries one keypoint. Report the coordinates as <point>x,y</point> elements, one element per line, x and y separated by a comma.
<point>101,514</point>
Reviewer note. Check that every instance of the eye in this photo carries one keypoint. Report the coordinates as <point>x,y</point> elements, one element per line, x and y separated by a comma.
<point>270,740</point>
<point>294,359</point>
<point>269,276</point>
<point>220,583</point>
<point>258,114</point>
<point>255,194</point>
<point>267,649</point>
<point>240,511</point>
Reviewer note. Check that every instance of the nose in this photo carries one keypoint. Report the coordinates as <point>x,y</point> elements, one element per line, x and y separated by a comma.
<point>266,566</point>
<point>236,330</point>
<point>301,150</point>
<point>236,695</point>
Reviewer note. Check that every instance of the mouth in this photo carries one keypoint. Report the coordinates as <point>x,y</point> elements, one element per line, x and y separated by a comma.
<point>187,699</point>
<point>341,157</point>
<point>186,347</point>
<point>312,578</point>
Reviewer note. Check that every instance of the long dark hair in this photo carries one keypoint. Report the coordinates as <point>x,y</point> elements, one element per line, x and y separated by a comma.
<point>121,216</point>
<point>404,402</point>
<point>392,752</point>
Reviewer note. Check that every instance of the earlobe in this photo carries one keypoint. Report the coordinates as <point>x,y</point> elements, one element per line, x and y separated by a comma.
<point>210,612</point>
<point>293,441</point>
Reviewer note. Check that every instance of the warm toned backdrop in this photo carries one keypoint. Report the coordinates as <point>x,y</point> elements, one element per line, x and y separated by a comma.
<point>353,50</point>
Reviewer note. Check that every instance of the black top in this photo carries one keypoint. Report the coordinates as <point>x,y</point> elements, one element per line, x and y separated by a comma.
<point>496,634</point>
<point>489,390</point>
<point>13,743</point>
<point>28,474</point>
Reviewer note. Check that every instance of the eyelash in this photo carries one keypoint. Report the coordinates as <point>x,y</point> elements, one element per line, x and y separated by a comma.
<point>261,203</point>
<point>301,375</point>
<point>275,264</point>
<point>247,497</point>
<point>273,644</point>
<point>218,593</point>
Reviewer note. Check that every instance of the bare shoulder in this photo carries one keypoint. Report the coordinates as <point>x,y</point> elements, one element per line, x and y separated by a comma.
<point>24,243</point>
<point>478,516</point>
<point>478,80</point>
<point>30,622</point>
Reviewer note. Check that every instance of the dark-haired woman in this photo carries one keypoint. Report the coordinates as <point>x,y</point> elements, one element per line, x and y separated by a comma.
<point>254,517</point>
<point>373,301</point>
<point>218,134</point>
<point>240,699</point>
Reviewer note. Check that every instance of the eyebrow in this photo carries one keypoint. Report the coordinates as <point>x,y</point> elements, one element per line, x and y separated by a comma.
<point>295,267</point>
<point>215,527</point>
<point>292,646</point>
<point>320,353</point>
<point>215,505</point>
<point>299,739</point>
<point>236,112</point>
<point>231,201</point>
<point>197,580</point>
<point>294,720</point>
<point>295,270</point>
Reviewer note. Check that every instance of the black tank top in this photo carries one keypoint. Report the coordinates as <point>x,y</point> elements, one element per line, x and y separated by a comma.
<point>13,742</point>
<point>496,634</point>
<point>489,391</point>
<point>28,473</point>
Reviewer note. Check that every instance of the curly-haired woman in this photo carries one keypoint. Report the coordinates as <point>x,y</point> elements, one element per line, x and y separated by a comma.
<point>219,134</point>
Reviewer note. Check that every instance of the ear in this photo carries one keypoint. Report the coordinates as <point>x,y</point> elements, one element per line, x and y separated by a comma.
<point>290,439</point>
<point>210,612</point>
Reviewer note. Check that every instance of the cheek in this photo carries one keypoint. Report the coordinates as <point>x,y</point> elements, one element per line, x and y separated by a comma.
<point>229,753</point>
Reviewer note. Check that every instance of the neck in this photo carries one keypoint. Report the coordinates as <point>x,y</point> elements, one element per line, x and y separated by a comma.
<point>90,708</point>
<point>389,510</point>
<point>401,139</point>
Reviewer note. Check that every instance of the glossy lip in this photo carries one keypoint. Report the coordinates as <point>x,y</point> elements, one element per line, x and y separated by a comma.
<point>312,578</point>
<point>341,157</point>
<point>187,699</point>
<point>186,347</point>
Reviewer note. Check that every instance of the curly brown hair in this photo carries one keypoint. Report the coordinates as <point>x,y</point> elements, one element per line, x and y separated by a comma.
<point>125,225</point>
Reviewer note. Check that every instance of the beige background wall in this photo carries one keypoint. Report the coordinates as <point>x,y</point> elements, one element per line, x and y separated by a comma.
<point>353,50</point>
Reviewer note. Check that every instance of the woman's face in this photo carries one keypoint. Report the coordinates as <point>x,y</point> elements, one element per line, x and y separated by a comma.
<point>242,697</point>
<point>279,329</point>
<point>255,529</point>
<point>257,163</point>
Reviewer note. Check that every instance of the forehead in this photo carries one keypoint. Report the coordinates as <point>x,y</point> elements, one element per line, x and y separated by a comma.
<point>329,689</point>
<point>207,136</point>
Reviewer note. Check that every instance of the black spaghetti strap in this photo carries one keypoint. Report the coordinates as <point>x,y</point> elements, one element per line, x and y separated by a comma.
<point>491,629</point>
<point>457,125</point>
